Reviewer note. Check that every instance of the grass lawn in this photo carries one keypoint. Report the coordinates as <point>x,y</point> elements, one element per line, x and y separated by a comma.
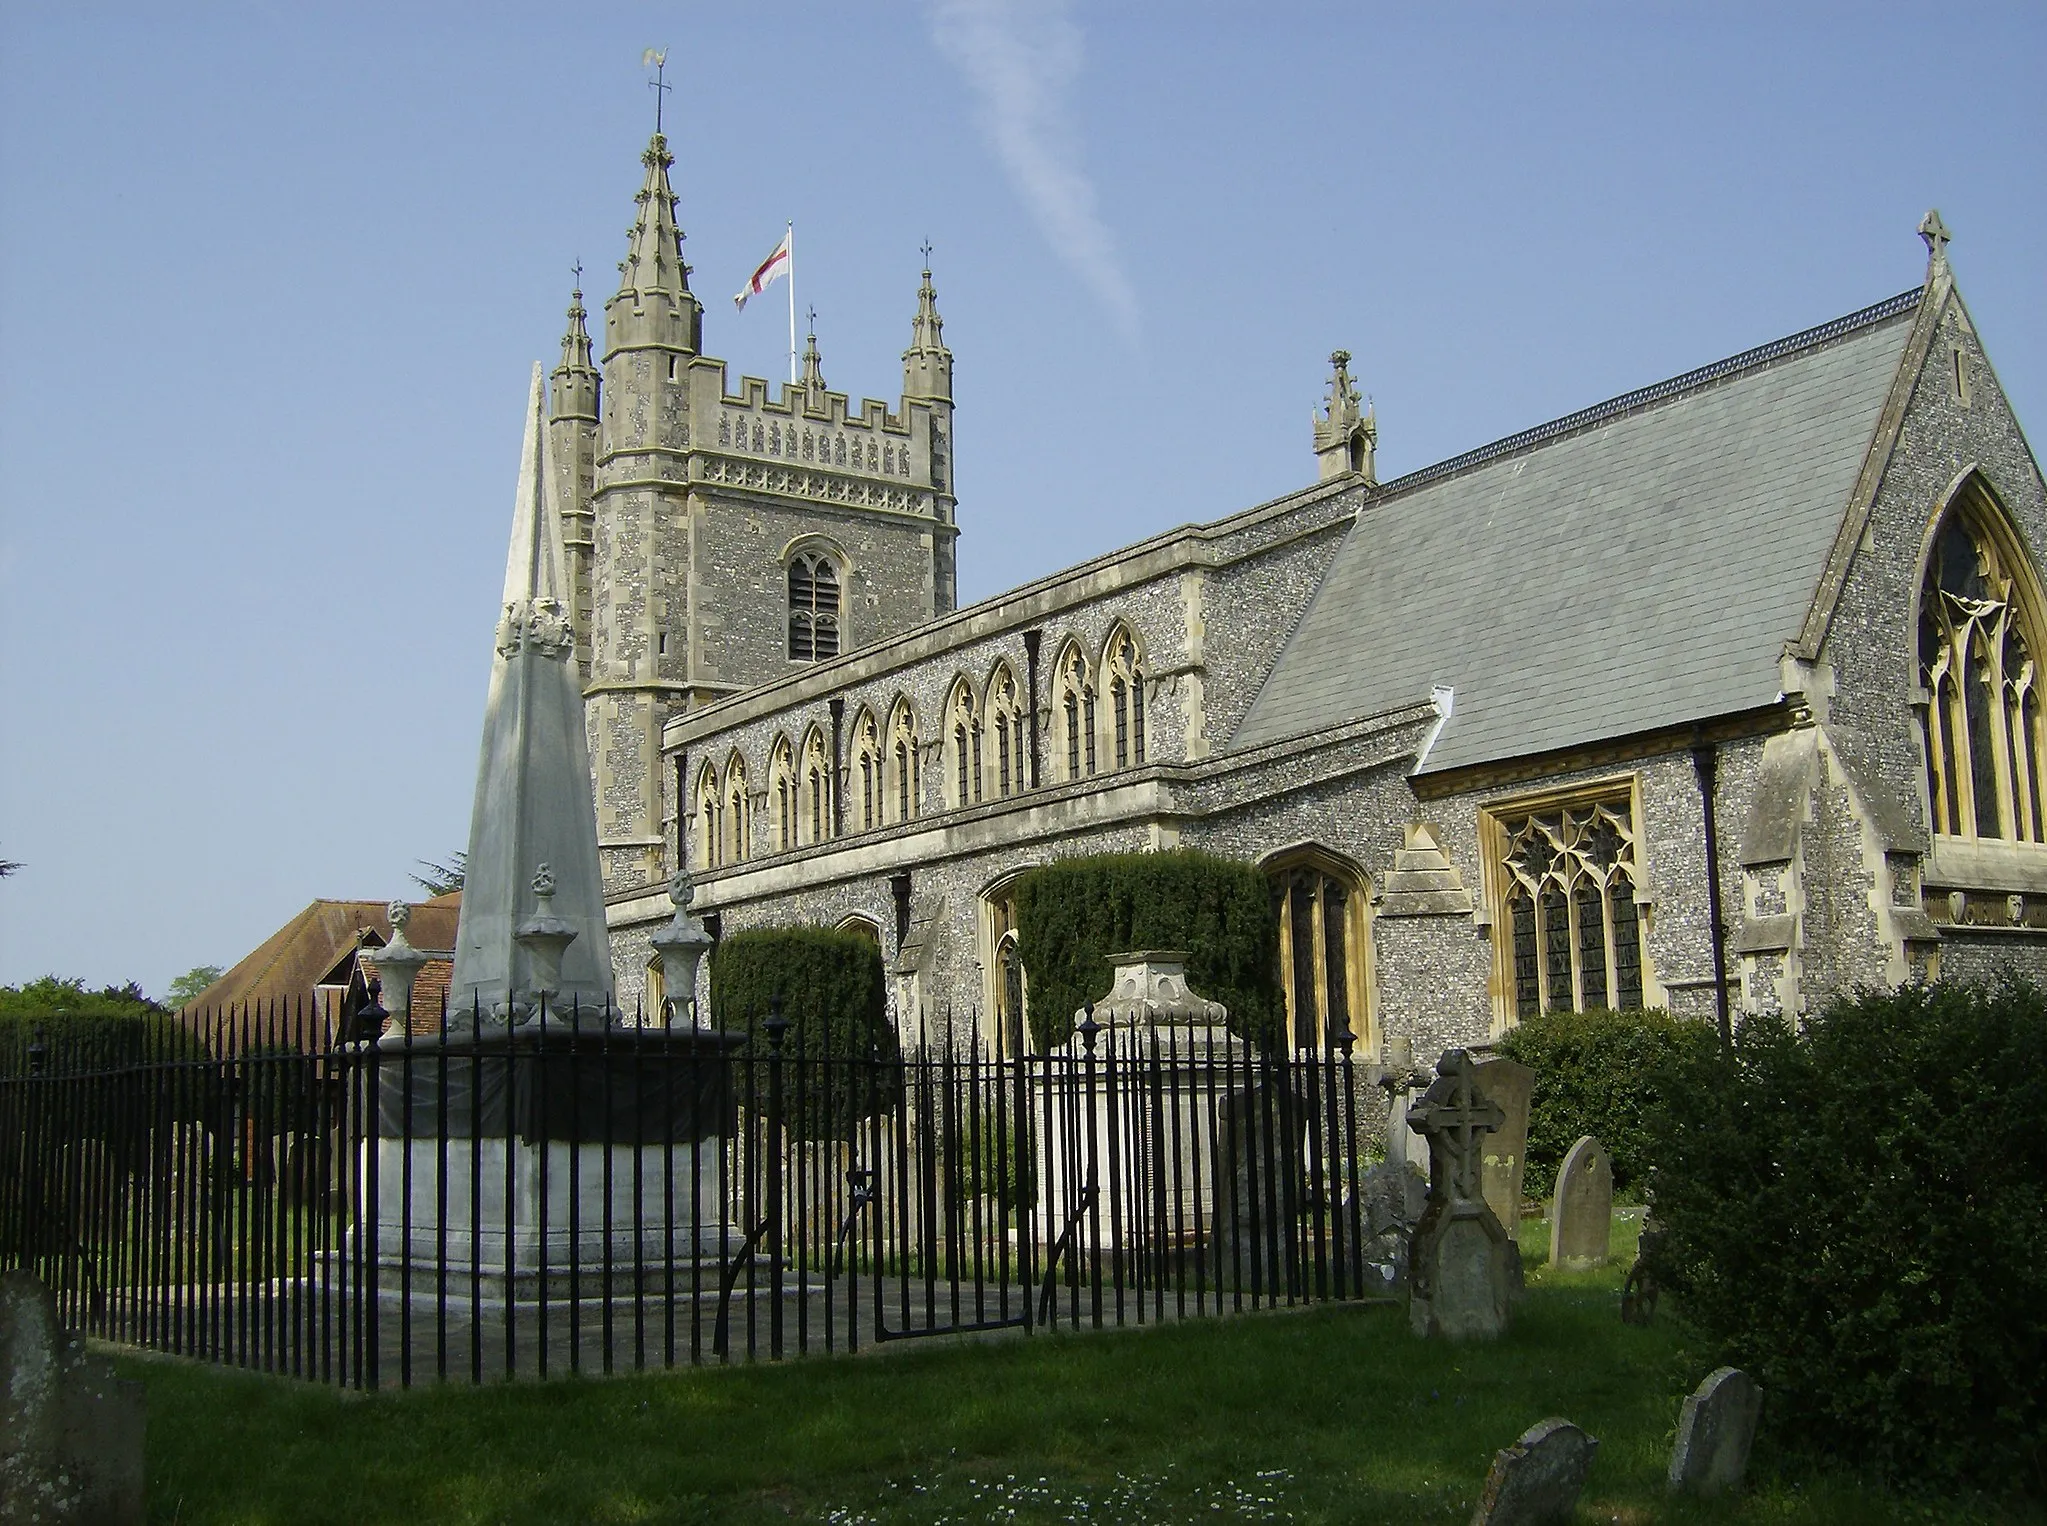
<point>1331,1414</point>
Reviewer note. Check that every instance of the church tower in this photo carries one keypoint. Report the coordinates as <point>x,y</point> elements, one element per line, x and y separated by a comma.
<point>733,536</point>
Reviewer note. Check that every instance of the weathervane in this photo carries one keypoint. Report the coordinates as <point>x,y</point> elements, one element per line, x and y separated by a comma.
<point>658,58</point>
<point>926,247</point>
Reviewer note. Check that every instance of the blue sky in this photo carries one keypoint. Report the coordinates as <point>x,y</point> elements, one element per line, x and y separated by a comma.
<point>272,278</point>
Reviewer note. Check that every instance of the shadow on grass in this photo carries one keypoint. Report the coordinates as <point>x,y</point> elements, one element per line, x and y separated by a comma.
<point>1327,1415</point>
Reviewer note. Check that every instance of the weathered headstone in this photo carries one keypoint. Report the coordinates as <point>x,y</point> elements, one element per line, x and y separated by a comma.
<point>1462,1264</point>
<point>1714,1433</point>
<point>1508,1085</point>
<point>1537,1480</point>
<point>70,1431</point>
<point>1581,1214</point>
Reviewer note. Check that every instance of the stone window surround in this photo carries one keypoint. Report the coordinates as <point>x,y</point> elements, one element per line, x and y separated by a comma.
<point>1496,881</point>
<point>1360,974</point>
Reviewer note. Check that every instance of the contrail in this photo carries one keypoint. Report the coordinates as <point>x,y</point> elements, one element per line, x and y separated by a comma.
<point>1021,57</point>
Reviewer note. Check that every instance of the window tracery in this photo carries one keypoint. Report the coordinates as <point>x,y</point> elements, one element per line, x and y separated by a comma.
<point>965,736</point>
<point>1978,640</point>
<point>1077,713</point>
<point>705,801</point>
<point>738,814</point>
<point>1573,931</point>
<point>817,789</point>
<point>782,794</point>
<point>813,607</point>
<point>903,763</point>
<point>1005,723</point>
<point>1126,699</point>
<point>867,762</point>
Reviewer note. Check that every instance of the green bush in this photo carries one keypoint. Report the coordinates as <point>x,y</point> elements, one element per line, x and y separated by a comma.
<point>835,997</point>
<point>1856,1214</point>
<point>1595,1073</point>
<point>86,1030</point>
<point>1072,914</point>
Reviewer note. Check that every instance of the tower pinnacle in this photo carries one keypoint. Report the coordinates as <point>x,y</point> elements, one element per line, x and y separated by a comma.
<point>813,367</point>
<point>653,287</point>
<point>1345,440</point>
<point>927,363</point>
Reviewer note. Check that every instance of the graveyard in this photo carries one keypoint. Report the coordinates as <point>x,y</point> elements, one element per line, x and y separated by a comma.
<point>1319,1415</point>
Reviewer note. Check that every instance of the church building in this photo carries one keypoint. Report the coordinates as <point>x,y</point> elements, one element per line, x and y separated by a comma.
<point>1719,696</point>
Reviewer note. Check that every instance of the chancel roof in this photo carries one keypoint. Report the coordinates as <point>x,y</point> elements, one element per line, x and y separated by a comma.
<point>1636,566</point>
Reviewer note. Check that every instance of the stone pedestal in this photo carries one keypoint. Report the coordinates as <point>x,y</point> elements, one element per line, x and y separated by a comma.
<point>530,1164</point>
<point>1159,1148</point>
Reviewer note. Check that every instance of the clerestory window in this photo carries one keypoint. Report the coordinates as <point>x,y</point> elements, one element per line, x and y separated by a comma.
<point>814,611</point>
<point>1978,646</point>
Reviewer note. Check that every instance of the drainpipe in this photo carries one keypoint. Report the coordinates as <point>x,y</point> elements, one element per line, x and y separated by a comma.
<point>1031,640</point>
<point>681,806</point>
<point>838,770</point>
<point>1706,764</point>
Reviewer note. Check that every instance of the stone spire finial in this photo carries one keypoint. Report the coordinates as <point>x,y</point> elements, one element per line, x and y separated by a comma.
<point>813,367</point>
<point>1345,440</point>
<point>533,802</point>
<point>653,304</point>
<point>1937,237</point>
<point>576,339</point>
<point>927,363</point>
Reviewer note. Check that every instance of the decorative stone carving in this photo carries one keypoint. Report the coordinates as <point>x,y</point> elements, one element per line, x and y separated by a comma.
<point>1461,1262</point>
<point>682,944</point>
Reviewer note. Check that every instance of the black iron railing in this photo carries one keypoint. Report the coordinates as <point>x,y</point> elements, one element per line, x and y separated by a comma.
<point>478,1202</point>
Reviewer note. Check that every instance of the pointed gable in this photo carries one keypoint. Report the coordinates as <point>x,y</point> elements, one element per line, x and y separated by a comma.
<point>1632,567</point>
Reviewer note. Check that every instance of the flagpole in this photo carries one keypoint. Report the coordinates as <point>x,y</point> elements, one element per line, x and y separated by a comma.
<point>792,303</point>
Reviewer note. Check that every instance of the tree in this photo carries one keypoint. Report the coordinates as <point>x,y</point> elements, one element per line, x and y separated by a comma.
<point>186,988</point>
<point>442,879</point>
<point>8,866</point>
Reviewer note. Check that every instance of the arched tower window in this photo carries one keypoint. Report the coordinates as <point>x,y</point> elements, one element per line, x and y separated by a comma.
<point>1573,932</point>
<point>738,813</point>
<point>816,802</point>
<point>1979,643</point>
<point>1004,727</point>
<point>1077,713</point>
<point>704,804</point>
<point>813,607</point>
<point>903,781</point>
<point>867,765</point>
<point>1324,959</point>
<point>1124,675</point>
<point>782,794</point>
<point>963,736</point>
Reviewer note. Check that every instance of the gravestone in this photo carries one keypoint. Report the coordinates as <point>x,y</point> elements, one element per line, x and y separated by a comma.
<point>1537,1480</point>
<point>70,1430</point>
<point>1714,1433</point>
<point>1508,1085</point>
<point>1462,1264</point>
<point>1581,1214</point>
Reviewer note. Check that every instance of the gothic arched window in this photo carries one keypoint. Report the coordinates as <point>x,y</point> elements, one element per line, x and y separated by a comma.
<point>1077,713</point>
<point>813,607</point>
<point>902,763</point>
<point>1979,641</point>
<point>782,794</point>
<point>867,763</point>
<point>963,721</point>
<point>1125,677</point>
<point>1324,968</point>
<point>1005,725</point>
<point>816,803</point>
<point>737,833</point>
<point>1573,931</point>
<point>705,808</point>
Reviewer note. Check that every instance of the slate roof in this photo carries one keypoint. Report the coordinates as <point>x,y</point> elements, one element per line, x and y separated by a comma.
<point>1635,566</point>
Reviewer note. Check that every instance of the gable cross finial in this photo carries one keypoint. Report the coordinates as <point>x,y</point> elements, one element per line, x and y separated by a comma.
<point>1935,232</point>
<point>658,58</point>
<point>578,269</point>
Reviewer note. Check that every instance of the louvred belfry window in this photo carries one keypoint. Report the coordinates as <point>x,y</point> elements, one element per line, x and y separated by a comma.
<point>813,608</point>
<point>1978,646</point>
<point>1574,933</point>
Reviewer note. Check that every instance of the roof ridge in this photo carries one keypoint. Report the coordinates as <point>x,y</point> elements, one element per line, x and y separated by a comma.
<point>1642,397</point>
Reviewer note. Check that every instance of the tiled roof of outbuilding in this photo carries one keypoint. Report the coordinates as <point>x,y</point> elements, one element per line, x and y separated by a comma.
<point>1634,566</point>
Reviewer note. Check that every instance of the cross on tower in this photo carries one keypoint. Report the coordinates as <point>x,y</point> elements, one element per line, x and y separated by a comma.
<point>1456,1115</point>
<point>1934,231</point>
<point>926,247</point>
<point>578,268</point>
<point>813,323</point>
